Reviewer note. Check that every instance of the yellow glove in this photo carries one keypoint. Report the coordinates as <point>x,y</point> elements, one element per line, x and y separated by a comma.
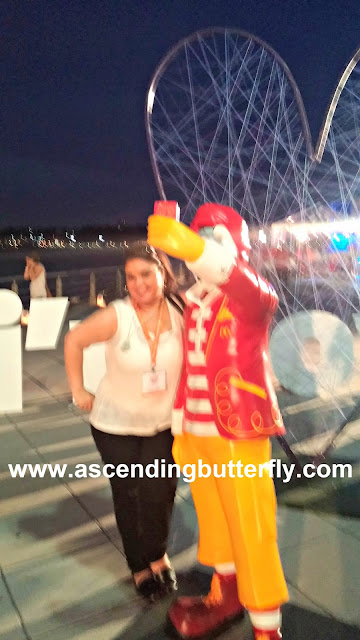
<point>175,238</point>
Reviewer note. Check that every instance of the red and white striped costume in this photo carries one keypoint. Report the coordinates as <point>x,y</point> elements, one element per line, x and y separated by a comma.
<point>198,413</point>
<point>226,409</point>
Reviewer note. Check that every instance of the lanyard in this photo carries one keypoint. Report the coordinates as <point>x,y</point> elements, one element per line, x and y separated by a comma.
<point>153,342</point>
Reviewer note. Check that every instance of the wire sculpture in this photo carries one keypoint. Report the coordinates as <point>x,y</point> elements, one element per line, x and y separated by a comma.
<point>226,123</point>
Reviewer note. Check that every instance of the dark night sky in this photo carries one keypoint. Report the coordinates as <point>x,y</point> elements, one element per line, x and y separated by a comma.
<point>74,75</point>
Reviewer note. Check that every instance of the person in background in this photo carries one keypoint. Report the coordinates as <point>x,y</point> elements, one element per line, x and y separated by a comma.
<point>35,272</point>
<point>131,411</point>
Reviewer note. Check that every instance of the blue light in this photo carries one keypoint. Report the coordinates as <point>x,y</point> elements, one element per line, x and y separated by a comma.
<point>339,242</point>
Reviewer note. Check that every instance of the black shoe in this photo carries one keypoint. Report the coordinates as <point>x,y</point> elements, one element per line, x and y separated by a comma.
<point>149,589</point>
<point>167,580</point>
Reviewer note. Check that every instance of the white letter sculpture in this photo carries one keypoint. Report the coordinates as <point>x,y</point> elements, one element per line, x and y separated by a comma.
<point>46,319</point>
<point>10,352</point>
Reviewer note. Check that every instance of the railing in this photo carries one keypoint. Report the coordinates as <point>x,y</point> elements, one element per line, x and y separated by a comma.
<point>84,285</point>
<point>81,285</point>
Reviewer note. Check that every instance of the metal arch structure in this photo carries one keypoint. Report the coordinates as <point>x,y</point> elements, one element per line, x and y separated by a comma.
<point>225,122</point>
<point>325,129</point>
<point>337,174</point>
<point>320,173</point>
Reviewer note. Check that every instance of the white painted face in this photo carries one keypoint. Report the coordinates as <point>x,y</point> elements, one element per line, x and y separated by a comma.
<point>207,232</point>
<point>221,235</point>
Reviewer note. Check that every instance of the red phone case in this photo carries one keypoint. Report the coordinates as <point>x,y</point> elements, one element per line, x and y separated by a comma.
<point>167,208</point>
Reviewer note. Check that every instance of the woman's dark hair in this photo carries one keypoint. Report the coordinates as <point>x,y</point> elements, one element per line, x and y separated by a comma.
<point>34,256</point>
<point>143,251</point>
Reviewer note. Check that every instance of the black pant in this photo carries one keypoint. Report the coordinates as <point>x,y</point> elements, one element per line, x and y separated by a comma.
<point>143,506</point>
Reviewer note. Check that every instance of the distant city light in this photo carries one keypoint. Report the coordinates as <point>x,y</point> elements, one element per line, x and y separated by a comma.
<point>100,300</point>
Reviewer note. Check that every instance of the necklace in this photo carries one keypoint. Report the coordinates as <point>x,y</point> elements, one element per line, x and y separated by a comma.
<point>153,342</point>
<point>125,346</point>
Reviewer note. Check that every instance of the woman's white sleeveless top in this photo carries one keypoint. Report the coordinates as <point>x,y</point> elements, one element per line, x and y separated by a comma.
<point>38,286</point>
<point>120,407</point>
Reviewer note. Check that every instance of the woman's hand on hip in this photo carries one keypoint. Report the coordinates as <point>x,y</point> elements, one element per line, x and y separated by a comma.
<point>84,400</point>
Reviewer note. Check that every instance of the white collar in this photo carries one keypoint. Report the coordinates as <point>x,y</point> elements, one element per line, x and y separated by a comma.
<point>198,289</point>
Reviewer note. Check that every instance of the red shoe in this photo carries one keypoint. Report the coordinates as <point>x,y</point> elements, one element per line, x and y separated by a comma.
<point>207,616</point>
<point>267,635</point>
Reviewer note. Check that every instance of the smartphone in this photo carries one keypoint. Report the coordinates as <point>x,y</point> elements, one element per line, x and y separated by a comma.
<point>167,208</point>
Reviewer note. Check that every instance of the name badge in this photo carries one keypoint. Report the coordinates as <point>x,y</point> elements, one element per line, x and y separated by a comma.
<point>153,381</point>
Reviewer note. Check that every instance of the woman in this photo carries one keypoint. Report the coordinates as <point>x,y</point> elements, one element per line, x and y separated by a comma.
<point>35,272</point>
<point>131,412</point>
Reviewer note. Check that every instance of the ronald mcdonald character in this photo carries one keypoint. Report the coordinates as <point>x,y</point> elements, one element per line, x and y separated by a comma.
<point>225,412</point>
